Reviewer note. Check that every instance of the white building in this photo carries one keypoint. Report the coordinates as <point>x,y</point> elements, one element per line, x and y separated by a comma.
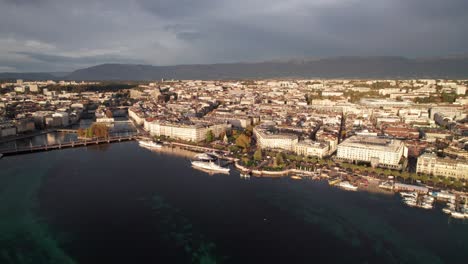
<point>195,132</point>
<point>374,150</point>
<point>269,140</point>
<point>432,165</point>
<point>311,148</point>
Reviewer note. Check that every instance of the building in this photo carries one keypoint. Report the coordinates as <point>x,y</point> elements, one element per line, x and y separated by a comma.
<point>312,148</point>
<point>377,151</point>
<point>136,115</point>
<point>268,140</point>
<point>189,132</point>
<point>460,90</point>
<point>430,164</point>
<point>7,129</point>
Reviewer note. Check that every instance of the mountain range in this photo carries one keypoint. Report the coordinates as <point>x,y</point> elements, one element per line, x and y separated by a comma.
<point>337,67</point>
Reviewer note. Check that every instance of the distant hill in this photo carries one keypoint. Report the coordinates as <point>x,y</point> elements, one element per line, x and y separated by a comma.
<point>338,67</point>
<point>32,76</point>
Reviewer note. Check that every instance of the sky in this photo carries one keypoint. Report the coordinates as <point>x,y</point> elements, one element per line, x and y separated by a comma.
<point>64,35</point>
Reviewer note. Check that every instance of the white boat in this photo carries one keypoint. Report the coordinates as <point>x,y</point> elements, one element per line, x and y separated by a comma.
<point>149,144</point>
<point>409,194</point>
<point>457,215</point>
<point>447,210</point>
<point>426,206</point>
<point>410,202</point>
<point>245,176</point>
<point>205,157</point>
<point>209,166</point>
<point>347,186</point>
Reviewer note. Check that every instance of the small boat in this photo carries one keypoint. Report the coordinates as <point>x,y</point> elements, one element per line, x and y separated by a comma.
<point>347,186</point>
<point>296,177</point>
<point>410,202</point>
<point>209,166</point>
<point>426,206</point>
<point>205,157</point>
<point>334,181</point>
<point>457,215</point>
<point>149,144</point>
<point>245,175</point>
<point>1,155</point>
<point>408,194</point>
<point>447,210</point>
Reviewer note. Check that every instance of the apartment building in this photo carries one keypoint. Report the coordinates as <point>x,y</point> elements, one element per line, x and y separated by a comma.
<point>377,151</point>
<point>430,164</point>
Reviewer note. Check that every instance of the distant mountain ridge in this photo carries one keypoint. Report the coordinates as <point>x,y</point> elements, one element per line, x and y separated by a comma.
<point>338,67</point>
<point>335,67</point>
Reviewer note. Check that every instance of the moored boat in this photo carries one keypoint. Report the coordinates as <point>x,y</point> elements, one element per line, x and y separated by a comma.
<point>458,215</point>
<point>149,144</point>
<point>347,186</point>
<point>447,210</point>
<point>205,157</point>
<point>334,181</point>
<point>209,166</point>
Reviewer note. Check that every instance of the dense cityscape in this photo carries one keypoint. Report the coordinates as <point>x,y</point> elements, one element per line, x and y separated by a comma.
<point>398,131</point>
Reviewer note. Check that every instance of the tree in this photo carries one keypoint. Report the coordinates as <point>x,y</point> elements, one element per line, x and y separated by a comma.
<point>258,155</point>
<point>209,136</point>
<point>243,141</point>
<point>81,132</point>
<point>279,159</point>
<point>405,175</point>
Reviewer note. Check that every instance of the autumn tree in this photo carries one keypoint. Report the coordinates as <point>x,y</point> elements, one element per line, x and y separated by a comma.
<point>243,141</point>
<point>258,155</point>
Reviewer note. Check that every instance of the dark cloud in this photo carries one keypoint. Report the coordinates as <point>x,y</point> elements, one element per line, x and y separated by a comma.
<point>84,60</point>
<point>57,34</point>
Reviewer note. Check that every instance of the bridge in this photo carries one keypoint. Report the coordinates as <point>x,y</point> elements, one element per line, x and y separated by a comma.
<point>71,144</point>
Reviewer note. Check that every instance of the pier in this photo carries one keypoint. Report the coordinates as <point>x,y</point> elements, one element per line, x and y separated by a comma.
<point>70,144</point>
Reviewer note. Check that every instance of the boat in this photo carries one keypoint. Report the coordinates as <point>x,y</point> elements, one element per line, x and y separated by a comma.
<point>426,206</point>
<point>1,155</point>
<point>347,186</point>
<point>296,177</point>
<point>458,215</point>
<point>447,210</point>
<point>334,181</point>
<point>410,202</point>
<point>408,194</point>
<point>149,144</point>
<point>209,166</point>
<point>245,175</point>
<point>205,157</point>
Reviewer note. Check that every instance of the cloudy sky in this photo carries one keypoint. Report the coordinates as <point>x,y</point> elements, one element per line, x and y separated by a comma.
<point>63,35</point>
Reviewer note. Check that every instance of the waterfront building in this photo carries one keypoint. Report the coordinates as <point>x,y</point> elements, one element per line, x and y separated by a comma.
<point>7,129</point>
<point>377,151</point>
<point>136,115</point>
<point>430,164</point>
<point>269,140</point>
<point>311,148</point>
<point>195,132</point>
